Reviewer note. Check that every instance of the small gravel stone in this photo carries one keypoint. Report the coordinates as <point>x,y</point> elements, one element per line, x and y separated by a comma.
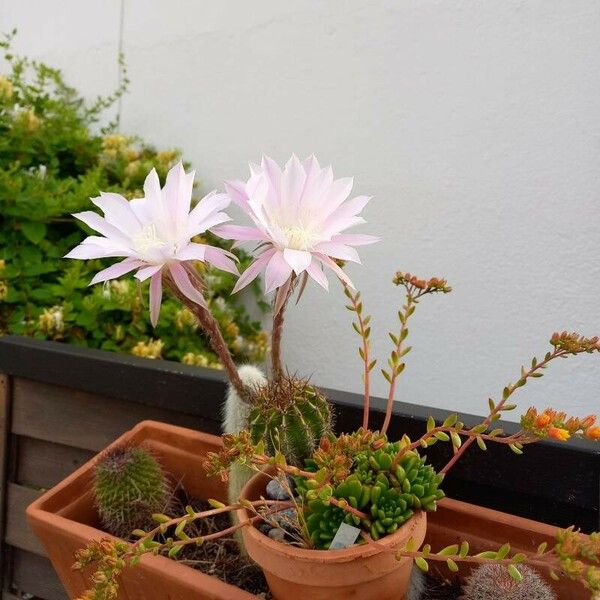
<point>264,528</point>
<point>277,534</point>
<point>286,519</point>
<point>275,491</point>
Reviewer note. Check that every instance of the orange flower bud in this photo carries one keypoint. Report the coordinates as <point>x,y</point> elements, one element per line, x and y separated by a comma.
<point>593,433</point>
<point>542,420</point>
<point>556,433</point>
<point>588,421</point>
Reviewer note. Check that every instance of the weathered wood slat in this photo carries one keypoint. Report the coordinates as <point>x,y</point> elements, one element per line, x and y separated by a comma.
<point>34,574</point>
<point>80,419</point>
<point>44,464</point>
<point>4,434</point>
<point>18,533</point>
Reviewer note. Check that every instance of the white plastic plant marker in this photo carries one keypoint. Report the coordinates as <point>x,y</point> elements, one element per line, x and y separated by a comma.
<point>345,537</point>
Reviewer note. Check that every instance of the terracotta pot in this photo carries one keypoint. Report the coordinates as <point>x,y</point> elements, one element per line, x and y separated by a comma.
<point>365,572</point>
<point>487,529</point>
<point>65,520</point>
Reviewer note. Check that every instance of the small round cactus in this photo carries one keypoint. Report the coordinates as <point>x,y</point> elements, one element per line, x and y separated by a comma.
<point>493,582</point>
<point>129,487</point>
<point>291,416</point>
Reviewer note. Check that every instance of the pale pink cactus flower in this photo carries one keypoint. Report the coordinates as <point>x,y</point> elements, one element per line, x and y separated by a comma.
<point>300,215</point>
<point>154,235</point>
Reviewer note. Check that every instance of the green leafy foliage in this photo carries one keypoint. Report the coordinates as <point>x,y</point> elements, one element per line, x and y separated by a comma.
<point>52,161</point>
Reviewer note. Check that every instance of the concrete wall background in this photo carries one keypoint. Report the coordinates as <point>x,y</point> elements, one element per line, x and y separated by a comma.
<point>475,126</point>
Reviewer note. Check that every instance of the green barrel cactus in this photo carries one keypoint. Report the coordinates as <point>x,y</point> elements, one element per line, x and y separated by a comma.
<point>290,416</point>
<point>129,487</point>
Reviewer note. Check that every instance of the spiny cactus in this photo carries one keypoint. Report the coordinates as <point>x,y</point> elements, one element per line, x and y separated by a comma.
<point>290,416</point>
<point>493,582</point>
<point>129,487</point>
<point>235,419</point>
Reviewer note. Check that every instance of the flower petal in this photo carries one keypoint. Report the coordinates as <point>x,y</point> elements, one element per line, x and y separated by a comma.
<point>210,204</point>
<point>207,223</point>
<point>155,297</point>
<point>97,247</point>
<point>152,186</point>
<point>101,225</point>
<point>355,239</point>
<point>183,283</point>
<point>297,259</point>
<point>148,271</point>
<point>336,269</point>
<point>340,251</point>
<point>292,183</point>
<point>219,258</point>
<point>316,272</point>
<point>236,190</point>
<point>116,270</point>
<point>177,193</point>
<point>277,272</point>
<point>338,191</point>
<point>118,213</point>
<point>253,270</point>
<point>273,173</point>
<point>192,251</point>
<point>240,233</point>
<point>350,208</point>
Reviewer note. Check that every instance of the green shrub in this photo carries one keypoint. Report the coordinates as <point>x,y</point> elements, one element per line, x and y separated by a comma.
<point>53,157</point>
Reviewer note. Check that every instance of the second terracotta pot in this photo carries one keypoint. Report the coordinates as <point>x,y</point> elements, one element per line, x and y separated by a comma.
<point>363,572</point>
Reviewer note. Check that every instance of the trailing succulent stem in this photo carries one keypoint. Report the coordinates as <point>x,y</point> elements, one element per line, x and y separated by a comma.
<point>129,487</point>
<point>291,416</point>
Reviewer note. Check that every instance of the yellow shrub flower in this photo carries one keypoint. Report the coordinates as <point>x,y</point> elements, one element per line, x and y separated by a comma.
<point>149,349</point>
<point>6,88</point>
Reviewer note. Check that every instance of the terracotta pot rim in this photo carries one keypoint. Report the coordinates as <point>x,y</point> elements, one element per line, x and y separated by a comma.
<point>385,544</point>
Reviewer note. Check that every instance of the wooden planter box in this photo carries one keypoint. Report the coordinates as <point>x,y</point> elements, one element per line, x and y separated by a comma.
<point>65,519</point>
<point>60,405</point>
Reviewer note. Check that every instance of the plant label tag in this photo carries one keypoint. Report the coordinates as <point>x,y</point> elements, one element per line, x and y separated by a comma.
<point>345,537</point>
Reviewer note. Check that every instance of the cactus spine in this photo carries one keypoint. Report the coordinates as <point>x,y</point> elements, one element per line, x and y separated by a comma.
<point>129,487</point>
<point>236,418</point>
<point>290,416</point>
<point>493,582</point>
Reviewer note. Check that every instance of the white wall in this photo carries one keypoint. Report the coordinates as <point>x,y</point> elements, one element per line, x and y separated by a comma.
<point>474,124</point>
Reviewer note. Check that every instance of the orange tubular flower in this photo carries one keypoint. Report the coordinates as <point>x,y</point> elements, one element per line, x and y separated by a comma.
<point>593,433</point>
<point>588,422</point>
<point>557,433</point>
<point>543,420</point>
